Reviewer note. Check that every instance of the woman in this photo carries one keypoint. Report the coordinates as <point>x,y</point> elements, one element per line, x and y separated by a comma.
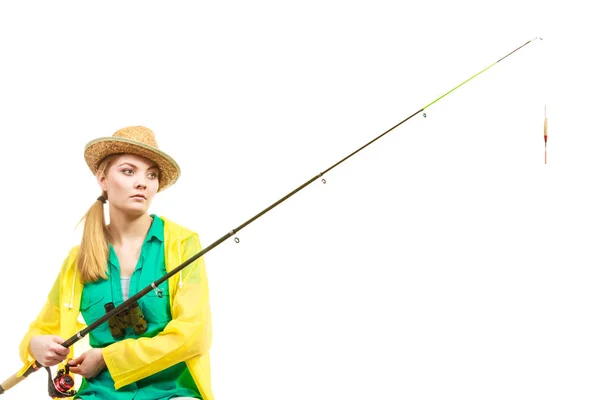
<point>159,349</point>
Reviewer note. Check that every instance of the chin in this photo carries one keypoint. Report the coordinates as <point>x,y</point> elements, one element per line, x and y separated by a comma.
<point>141,209</point>
<point>134,209</point>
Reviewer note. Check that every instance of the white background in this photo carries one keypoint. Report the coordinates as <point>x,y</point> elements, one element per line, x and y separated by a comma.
<point>444,261</point>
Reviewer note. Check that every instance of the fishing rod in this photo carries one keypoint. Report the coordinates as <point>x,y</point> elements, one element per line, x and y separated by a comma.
<point>60,386</point>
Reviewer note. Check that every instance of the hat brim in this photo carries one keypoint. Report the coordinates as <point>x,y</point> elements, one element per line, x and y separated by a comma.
<point>98,149</point>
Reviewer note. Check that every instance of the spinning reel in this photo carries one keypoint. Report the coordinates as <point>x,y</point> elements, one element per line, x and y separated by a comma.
<point>62,384</point>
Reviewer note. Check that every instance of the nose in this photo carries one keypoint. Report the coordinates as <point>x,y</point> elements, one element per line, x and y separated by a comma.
<point>140,184</point>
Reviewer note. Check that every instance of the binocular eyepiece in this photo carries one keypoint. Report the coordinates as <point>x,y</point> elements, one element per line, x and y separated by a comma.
<point>130,317</point>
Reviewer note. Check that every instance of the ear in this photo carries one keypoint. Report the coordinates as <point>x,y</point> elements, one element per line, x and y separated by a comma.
<point>101,178</point>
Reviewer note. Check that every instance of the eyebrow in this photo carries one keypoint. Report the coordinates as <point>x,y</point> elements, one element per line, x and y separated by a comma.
<point>135,166</point>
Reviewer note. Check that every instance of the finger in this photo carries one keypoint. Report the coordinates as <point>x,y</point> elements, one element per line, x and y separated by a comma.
<point>76,361</point>
<point>63,351</point>
<point>49,362</point>
<point>80,371</point>
<point>44,362</point>
<point>75,370</point>
<point>55,357</point>
<point>57,339</point>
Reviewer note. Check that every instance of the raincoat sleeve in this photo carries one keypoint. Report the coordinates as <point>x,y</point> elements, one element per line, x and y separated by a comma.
<point>50,320</point>
<point>46,323</point>
<point>187,335</point>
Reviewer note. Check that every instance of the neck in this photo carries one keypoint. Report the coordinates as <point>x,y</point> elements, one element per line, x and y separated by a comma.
<point>127,228</point>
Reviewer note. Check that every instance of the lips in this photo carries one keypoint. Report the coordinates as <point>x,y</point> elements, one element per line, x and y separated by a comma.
<point>138,196</point>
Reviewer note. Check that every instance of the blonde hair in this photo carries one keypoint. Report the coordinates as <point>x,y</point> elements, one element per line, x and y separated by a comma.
<point>92,259</point>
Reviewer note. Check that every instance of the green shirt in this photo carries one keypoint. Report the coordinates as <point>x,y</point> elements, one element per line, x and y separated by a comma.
<point>173,382</point>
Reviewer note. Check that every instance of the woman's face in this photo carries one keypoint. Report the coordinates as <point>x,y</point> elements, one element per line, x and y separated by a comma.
<point>130,183</point>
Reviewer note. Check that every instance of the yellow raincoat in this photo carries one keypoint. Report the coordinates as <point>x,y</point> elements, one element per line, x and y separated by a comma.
<point>187,337</point>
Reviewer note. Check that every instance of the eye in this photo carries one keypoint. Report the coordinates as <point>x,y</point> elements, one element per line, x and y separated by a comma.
<point>152,175</point>
<point>127,171</point>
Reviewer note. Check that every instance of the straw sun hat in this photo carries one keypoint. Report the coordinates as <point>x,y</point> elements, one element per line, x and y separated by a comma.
<point>137,140</point>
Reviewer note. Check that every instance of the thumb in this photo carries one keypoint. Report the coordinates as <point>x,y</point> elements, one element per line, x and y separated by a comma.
<point>56,339</point>
<point>57,347</point>
<point>76,360</point>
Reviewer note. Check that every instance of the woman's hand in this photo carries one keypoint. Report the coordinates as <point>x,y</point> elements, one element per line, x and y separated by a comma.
<point>47,349</point>
<point>89,364</point>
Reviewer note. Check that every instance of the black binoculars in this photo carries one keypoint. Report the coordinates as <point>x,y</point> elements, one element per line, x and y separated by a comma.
<point>130,317</point>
